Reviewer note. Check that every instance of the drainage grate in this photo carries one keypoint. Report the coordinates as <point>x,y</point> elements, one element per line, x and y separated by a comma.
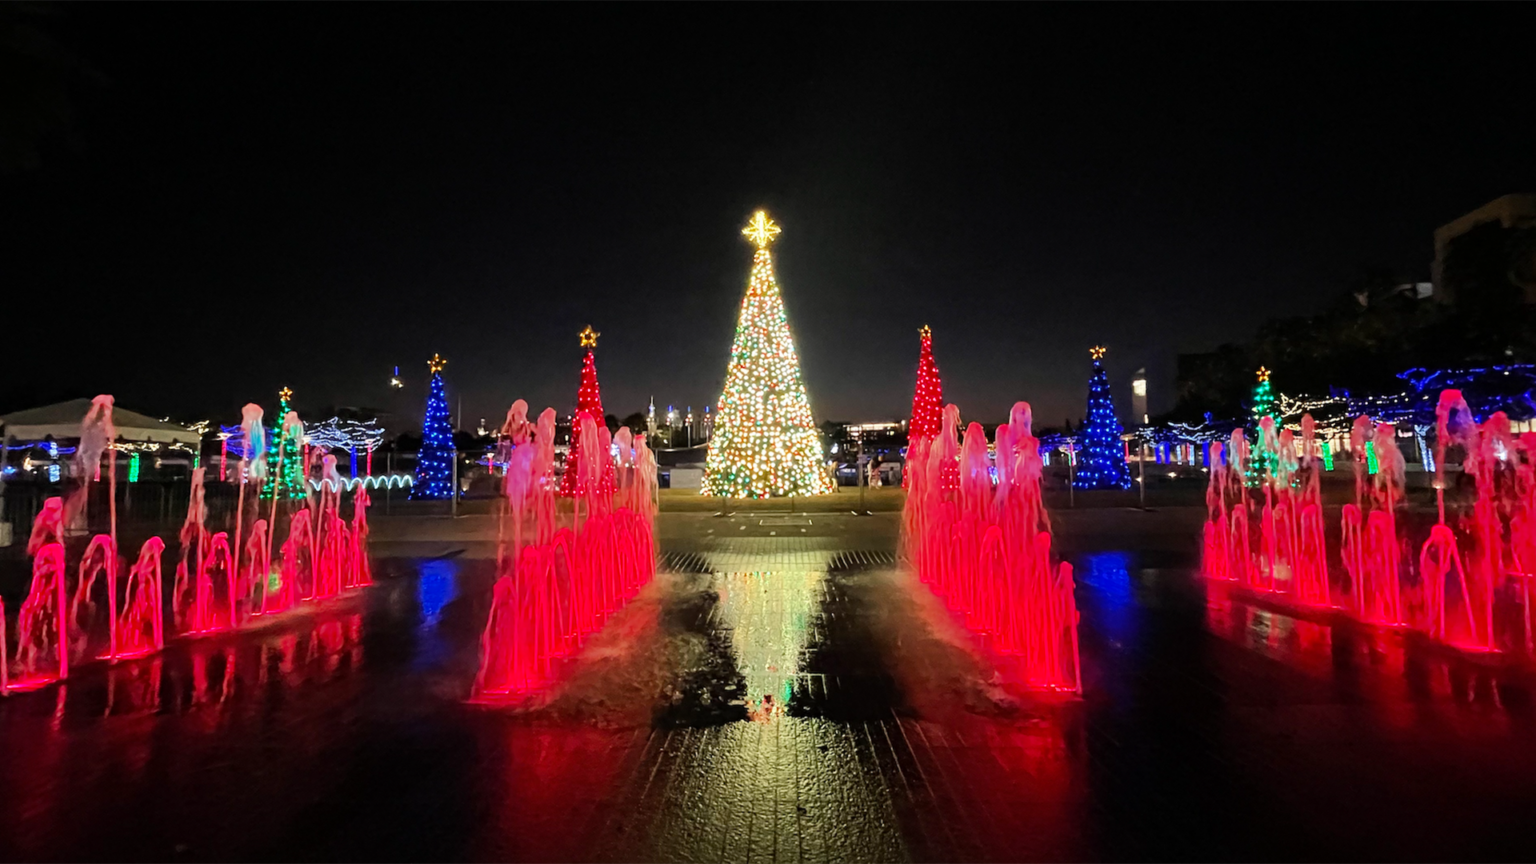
<point>862,560</point>
<point>684,562</point>
<point>786,520</point>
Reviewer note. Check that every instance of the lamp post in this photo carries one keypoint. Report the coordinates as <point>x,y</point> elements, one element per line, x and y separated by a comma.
<point>1071,474</point>
<point>1142,466</point>
<point>858,467</point>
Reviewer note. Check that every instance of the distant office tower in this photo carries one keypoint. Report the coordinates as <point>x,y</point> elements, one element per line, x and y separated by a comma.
<point>1139,398</point>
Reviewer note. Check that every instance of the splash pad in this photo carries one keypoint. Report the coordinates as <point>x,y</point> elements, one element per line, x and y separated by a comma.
<point>1469,585</point>
<point>558,583</point>
<point>105,613</point>
<point>976,531</point>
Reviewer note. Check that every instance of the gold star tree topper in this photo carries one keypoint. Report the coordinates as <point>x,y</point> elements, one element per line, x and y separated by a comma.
<point>761,230</point>
<point>285,394</point>
<point>1263,374</point>
<point>1097,352</point>
<point>436,364</point>
<point>925,331</point>
<point>588,337</point>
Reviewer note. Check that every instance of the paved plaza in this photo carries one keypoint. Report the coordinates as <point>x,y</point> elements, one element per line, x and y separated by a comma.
<point>783,692</point>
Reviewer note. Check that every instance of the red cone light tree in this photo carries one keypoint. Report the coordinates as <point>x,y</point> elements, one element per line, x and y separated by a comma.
<point>589,400</point>
<point>928,399</point>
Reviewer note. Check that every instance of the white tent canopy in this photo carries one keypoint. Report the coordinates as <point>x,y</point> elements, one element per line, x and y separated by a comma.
<point>62,420</point>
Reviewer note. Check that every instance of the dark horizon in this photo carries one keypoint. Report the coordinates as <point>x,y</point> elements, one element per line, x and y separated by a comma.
<point>484,181</point>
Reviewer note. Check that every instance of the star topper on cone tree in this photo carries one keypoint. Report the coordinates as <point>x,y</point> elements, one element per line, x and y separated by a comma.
<point>765,443</point>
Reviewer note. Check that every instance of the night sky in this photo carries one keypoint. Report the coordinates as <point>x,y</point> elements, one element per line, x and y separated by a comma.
<point>253,196</point>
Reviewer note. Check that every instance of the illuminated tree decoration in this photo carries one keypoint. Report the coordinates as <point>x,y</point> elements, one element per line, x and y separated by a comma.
<point>1265,404</point>
<point>1101,463</point>
<point>765,443</point>
<point>348,435</point>
<point>434,464</point>
<point>285,477</point>
<point>589,400</point>
<point>928,398</point>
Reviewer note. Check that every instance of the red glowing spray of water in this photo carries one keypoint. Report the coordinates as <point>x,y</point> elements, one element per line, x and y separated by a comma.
<point>42,641</point>
<point>299,558</point>
<point>210,589</point>
<point>1493,458</point>
<point>259,574</point>
<point>255,436</point>
<point>982,543</point>
<point>1291,559</point>
<point>359,574</point>
<point>100,558</point>
<point>194,546</point>
<point>566,581</point>
<point>1371,550</point>
<point>140,629</point>
<point>1454,596</point>
<point>1310,551</point>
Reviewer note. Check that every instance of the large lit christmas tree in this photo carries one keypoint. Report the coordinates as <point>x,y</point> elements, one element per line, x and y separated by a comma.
<point>434,464</point>
<point>928,398</point>
<point>765,443</point>
<point>285,471</point>
<point>1102,463</point>
<point>589,400</point>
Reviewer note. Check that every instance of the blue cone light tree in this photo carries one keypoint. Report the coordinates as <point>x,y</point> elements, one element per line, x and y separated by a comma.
<point>1102,461</point>
<point>434,465</point>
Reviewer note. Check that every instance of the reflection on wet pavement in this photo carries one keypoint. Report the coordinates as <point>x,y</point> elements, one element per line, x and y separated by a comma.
<point>1213,726</point>
<point>823,758</point>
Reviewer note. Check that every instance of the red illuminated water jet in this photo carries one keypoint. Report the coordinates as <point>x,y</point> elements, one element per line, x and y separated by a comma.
<point>557,584</point>
<point>42,641</point>
<point>216,587</point>
<point>1447,591</point>
<point>977,533</point>
<point>139,629</point>
<point>1287,554</point>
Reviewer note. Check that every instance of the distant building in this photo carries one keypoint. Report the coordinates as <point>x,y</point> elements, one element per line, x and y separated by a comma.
<point>872,431</point>
<point>1139,398</point>
<point>886,440</point>
<point>882,442</point>
<point>1488,255</point>
<point>681,467</point>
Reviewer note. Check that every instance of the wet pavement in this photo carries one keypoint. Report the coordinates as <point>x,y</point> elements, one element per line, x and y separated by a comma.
<point>787,696</point>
